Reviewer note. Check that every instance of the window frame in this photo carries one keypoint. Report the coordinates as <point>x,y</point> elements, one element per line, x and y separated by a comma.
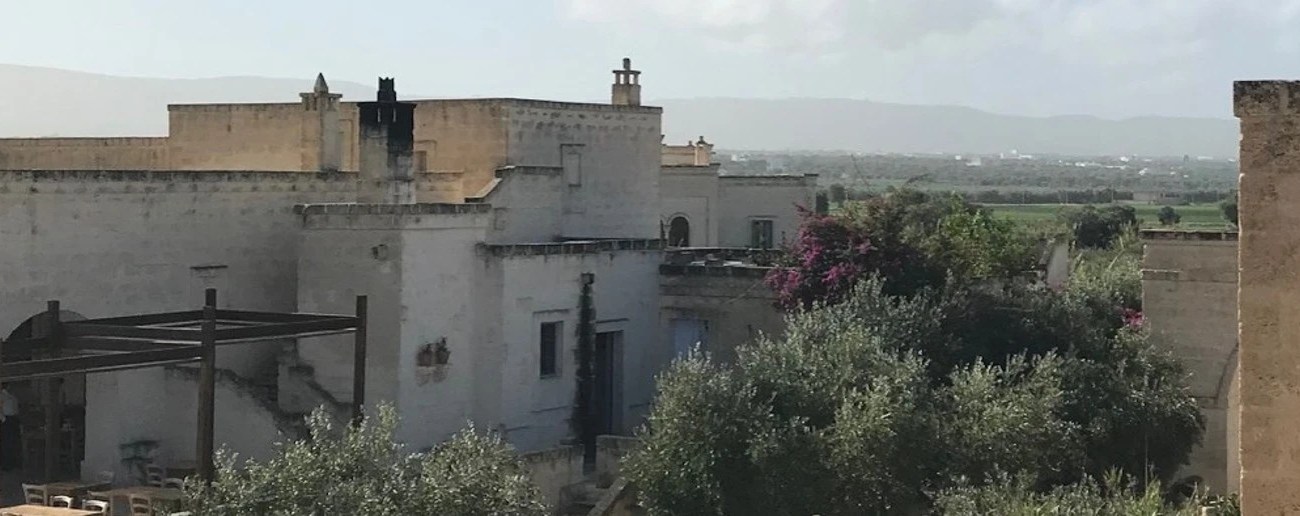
<point>557,350</point>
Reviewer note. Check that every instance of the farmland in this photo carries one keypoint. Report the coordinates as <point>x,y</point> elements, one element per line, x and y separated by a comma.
<point>1194,216</point>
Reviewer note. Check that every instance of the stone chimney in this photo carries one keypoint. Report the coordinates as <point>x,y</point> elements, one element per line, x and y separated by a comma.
<point>387,134</point>
<point>627,85</point>
<point>703,153</point>
<point>1268,295</point>
<point>322,143</point>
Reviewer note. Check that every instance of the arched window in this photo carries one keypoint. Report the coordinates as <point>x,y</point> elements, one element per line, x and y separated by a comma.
<point>679,232</point>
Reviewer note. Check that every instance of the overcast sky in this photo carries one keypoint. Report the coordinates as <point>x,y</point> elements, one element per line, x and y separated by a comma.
<point>1113,58</point>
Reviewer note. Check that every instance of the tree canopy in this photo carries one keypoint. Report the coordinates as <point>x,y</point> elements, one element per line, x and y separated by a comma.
<point>363,470</point>
<point>913,363</point>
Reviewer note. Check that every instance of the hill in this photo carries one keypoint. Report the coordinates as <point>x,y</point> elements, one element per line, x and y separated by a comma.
<point>866,126</point>
<point>50,102</point>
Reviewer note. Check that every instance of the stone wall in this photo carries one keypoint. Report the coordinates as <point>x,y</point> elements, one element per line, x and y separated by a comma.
<point>417,265</point>
<point>159,404</point>
<point>1269,361</point>
<point>236,136</point>
<point>692,192</point>
<point>120,243</point>
<point>732,301</point>
<point>743,199</point>
<point>1189,299</point>
<point>83,153</point>
<point>553,470</point>
<point>541,283</point>
<point>610,155</point>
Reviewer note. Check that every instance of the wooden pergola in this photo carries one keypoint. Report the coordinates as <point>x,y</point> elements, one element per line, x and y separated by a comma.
<point>159,339</point>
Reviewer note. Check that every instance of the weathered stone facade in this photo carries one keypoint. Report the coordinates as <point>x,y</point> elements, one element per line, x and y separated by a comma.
<point>537,213</point>
<point>1269,364</point>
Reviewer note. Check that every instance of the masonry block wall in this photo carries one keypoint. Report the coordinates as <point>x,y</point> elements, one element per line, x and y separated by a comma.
<point>692,192</point>
<point>1189,299</point>
<point>743,199</point>
<point>83,153</point>
<point>119,243</point>
<point>1269,295</point>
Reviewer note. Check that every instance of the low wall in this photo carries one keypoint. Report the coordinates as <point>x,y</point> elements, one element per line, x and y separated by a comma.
<point>610,450</point>
<point>553,470</point>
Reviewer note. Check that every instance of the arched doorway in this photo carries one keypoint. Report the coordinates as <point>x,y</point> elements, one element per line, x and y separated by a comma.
<point>26,451</point>
<point>679,232</point>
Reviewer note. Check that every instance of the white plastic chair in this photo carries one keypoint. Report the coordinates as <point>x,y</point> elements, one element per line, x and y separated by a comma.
<point>95,505</point>
<point>61,501</point>
<point>35,494</point>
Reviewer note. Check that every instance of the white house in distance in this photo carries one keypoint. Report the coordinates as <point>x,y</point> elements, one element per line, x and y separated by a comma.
<point>506,245</point>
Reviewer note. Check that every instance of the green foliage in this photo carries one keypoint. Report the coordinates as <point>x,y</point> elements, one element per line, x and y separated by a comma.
<point>1229,208</point>
<point>1168,216</point>
<point>973,245</point>
<point>910,239</point>
<point>838,194</point>
<point>1097,228</point>
<point>364,471</point>
<point>1113,496</point>
<point>869,404</point>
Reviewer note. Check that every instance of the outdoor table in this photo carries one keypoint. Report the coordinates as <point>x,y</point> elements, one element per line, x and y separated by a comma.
<point>41,510</point>
<point>120,498</point>
<point>74,488</point>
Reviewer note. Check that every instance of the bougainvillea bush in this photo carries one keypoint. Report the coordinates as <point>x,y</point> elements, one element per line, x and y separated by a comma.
<point>909,239</point>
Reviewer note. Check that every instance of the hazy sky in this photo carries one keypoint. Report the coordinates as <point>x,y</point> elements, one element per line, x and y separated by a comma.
<point>1105,57</point>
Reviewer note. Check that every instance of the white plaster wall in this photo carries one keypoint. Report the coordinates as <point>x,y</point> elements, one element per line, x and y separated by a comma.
<point>535,411</point>
<point>119,243</point>
<point>440,272</point>
<point>527,204</point>
<point>692,192</point>
<point>619,194</point>
<point>160,404</point>
<point>742,199</point>
<point>417,266</point>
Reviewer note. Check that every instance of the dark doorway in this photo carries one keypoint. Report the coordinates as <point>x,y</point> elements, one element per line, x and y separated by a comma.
<point>679,232</point>
<point>607,395</point>
<point>22,430</point>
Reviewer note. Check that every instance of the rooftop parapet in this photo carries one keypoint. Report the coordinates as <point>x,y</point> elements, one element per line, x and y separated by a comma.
<point>1265,98</point>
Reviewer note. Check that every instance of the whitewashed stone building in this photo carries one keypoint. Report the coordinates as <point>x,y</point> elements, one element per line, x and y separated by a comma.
<point>503,244</point>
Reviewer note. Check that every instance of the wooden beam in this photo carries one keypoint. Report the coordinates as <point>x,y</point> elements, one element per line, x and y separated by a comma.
<point>145,319</point>
<point>81,329</point>
<point>53,394</point>
<point>91,363</point>
<point>120,345</point>
<point>269,317</point>
<point>359,362</point>
<point>286,330</point>
<point>207,389</point>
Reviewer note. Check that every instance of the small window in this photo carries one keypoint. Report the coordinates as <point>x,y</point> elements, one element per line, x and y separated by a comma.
<point>571,162</point>
<point>549,358</point>
<point>760,233</point>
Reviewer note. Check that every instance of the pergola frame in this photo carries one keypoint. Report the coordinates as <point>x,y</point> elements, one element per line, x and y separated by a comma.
<point>167,338</point>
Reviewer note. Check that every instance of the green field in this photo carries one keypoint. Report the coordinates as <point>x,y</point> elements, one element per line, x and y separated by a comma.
<point>1193,216</point>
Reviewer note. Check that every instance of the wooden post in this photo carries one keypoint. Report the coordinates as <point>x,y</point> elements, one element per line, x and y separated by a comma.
<point>359,363</point>
<point>52,402</point>
<point>207,387</point>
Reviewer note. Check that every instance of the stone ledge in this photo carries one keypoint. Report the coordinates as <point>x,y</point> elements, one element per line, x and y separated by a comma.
<point>1265,98</point>
<point>191,176</point>
<point>737,271</point>
<point>348,208</point>
<point>1189,234</point>
<point>571,248</point>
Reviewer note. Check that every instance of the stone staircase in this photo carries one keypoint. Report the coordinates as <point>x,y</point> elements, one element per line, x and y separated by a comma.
<point>596,498</point>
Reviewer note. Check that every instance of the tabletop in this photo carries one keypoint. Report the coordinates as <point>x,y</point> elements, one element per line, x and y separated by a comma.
<point>156,493</point>
<point>41,510</point>
<point>74,487</point>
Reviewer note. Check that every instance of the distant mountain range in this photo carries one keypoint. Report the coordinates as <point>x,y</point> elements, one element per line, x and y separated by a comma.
<point>50,102</point>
